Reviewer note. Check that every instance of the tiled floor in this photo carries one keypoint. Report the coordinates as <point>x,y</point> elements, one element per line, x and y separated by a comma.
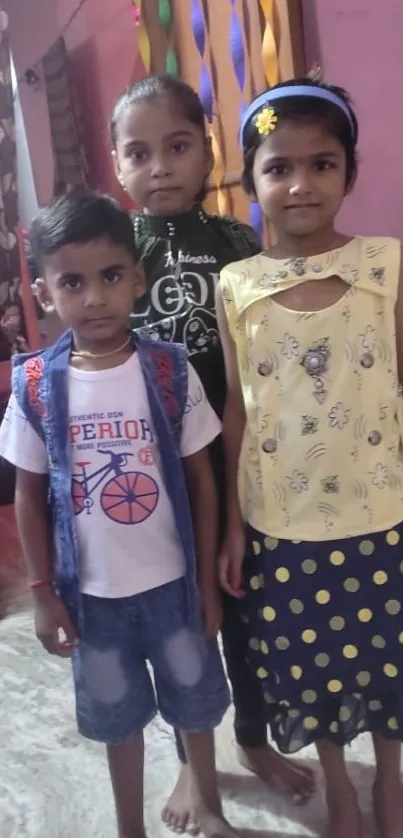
<point>53,784</point>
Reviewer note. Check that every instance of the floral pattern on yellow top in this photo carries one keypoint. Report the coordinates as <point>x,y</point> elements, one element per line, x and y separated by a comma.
<point>321,456</point>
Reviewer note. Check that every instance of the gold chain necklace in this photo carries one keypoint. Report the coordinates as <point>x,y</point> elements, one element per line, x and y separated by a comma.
<point>84,354</point>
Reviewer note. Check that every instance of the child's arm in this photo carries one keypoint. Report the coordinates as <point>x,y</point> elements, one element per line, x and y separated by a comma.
<point>33,521</point>
<point>204,506</point>
<point>21,446</point>
<point>31,510</point>
<point>200,427</point>
<point>232,556</point>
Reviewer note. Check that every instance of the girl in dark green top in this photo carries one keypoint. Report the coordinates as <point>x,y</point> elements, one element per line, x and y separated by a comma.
<point>163,158</point>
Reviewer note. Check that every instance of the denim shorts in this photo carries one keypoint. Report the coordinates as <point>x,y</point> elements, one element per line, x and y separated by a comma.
<point>115,694</point>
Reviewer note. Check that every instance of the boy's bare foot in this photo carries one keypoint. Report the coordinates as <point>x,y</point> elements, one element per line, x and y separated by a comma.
<point>279,773</point>
<point>177,814</point>
<point>345,818</point>
<point>214,825</point>
<point>388,807</point>
<point>178,817</point>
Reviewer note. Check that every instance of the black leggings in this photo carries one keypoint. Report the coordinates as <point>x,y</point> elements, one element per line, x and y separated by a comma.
<point>250,723</point>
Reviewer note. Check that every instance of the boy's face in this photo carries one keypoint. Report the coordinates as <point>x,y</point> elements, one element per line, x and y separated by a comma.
<point>92,287</point>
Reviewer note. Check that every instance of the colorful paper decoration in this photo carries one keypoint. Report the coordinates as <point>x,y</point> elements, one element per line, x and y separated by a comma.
<point>143,39</point>
<point>237,53</point>
<point>271,68</point>
<point>165,18</point>
<point>208,97</point>
<point>238,63</point>
<point>249,42</point>
<point>199,34</point>
<point>269,47</point>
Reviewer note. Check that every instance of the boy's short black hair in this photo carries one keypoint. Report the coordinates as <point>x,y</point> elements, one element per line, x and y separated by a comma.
<point>308,109</point>
<point>78,216</point>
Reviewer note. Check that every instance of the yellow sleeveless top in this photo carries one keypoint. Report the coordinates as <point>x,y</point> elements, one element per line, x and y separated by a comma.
<point>322,451</point>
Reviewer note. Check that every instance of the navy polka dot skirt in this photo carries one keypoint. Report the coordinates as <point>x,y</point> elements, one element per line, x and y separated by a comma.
<point>325,622</point>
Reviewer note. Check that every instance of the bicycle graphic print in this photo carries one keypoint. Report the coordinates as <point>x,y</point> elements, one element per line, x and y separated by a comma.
<point>128,497</point>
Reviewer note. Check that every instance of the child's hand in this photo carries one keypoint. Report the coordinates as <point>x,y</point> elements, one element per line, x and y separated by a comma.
<point>52,621</point>
<point>212,611</point>
<point>230,562</point>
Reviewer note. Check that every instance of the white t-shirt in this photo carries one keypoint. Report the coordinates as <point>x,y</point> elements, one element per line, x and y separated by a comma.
<point>128,542</point>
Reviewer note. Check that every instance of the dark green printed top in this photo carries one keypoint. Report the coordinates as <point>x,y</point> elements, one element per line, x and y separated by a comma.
<point>183,256</point>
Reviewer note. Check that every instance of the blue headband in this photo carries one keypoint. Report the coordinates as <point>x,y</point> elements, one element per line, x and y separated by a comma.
<point>271,96</point>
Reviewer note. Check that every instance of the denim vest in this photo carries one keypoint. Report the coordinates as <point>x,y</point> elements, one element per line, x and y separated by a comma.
<point>40,385</point>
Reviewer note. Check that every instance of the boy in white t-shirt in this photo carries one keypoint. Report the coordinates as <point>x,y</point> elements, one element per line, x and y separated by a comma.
<point>102,471</point>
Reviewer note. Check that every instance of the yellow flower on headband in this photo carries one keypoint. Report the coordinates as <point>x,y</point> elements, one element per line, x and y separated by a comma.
<point>266,121</point>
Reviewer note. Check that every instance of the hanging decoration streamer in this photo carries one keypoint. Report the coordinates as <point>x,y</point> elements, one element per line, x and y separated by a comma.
<point>238,54</point>
<point>249,42</point>
<point>165,18</point>
<point>143,39</point>
<point>207,97</point>
<point>238,62</point>
<point>272,74</point>
<point>269,48</point>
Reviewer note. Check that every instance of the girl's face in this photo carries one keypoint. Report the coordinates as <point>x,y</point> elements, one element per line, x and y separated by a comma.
<point>300,179</point>
<point>161,158</point>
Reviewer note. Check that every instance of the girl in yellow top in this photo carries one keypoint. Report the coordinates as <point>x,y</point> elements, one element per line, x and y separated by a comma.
<point>313,432</point>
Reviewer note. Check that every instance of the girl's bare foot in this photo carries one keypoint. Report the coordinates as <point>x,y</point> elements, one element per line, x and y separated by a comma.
<point>388,807</point>
<point>177,813</point>
<point>279,773</point>
<point>345,818</point>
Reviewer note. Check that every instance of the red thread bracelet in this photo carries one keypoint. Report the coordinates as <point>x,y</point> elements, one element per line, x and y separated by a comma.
<point>40,583</point>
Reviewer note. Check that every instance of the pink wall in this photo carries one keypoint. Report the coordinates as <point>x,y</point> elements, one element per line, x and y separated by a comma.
<point>357,42</point>
<point>359,46</point>
<point>102,42</point>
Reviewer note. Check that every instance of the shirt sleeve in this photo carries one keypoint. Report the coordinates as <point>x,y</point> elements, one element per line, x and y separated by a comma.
<point>20,443</point>
<point>200,423</point>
